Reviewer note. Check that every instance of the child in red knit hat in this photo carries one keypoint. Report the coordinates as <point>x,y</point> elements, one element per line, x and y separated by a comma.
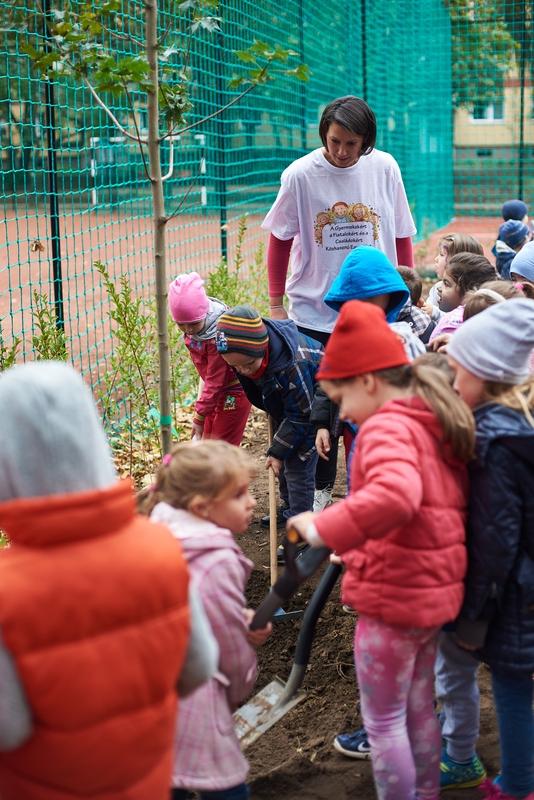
<point>222,408</point>
<point>400,533</point>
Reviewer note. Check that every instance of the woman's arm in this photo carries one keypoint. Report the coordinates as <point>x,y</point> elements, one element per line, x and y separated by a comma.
<point>404,249</point>
<point>277,265</point>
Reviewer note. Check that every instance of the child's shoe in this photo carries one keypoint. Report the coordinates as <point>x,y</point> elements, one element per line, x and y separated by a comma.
<point>280,517</point>
<point>353,745</point>
<point>456,775</point>
<point>492,791</point>
<point>322,498</point>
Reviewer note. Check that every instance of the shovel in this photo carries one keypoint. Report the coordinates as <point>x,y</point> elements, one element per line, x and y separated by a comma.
<point>277,698</point>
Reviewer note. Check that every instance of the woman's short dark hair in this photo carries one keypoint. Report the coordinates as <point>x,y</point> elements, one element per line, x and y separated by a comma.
<point>351,113</point>
<point>469,271</point>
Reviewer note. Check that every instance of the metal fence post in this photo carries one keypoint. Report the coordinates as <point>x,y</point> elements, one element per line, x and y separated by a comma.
<point>53,196</point>
<point>220,181</point>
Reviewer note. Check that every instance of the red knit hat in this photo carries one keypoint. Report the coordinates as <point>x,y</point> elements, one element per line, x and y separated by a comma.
<point>361,342</point>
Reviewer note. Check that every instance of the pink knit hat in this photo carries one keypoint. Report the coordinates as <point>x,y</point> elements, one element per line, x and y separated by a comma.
<point>188,301</point>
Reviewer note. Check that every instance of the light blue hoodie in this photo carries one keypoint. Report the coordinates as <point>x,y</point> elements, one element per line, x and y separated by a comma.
<point>367,272</point>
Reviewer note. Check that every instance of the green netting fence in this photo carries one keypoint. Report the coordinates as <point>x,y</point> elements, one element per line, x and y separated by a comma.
<point>450,83</point>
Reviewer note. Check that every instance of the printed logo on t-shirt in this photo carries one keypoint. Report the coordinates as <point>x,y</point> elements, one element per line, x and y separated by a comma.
<point>344,226</point>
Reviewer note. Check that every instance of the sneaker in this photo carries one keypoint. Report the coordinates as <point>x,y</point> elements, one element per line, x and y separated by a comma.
<point>456,775</point>
<point>353,745</point>
<point>492,791</point>
<point>280,518</point>
<point>322,498</point>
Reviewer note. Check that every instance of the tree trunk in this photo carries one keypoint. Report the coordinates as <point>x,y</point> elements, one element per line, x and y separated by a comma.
<point>160,221</point>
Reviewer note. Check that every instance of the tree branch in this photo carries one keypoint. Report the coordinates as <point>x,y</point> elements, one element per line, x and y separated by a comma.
<point>111,115</point>
<point>199,122</point>
<point>184,198</point>
<point>139,140</point>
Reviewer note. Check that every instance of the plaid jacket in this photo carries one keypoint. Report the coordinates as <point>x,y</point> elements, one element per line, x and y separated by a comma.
<point>208,756</point>
<point>287,387</point>
<point>419,322</point>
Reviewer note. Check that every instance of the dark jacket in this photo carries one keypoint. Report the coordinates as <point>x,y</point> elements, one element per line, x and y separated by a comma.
<point>504,255</point>
<point>500,577</point>
<point>286,388</point>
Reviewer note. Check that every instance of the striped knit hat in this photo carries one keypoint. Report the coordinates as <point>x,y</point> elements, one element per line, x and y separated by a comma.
<point>242,330</point>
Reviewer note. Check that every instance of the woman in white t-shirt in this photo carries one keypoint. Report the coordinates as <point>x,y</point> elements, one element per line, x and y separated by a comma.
<point>337,197</point>
<point>332,200</point>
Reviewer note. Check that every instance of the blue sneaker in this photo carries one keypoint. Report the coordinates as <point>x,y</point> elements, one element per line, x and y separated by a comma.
<point>454,775</point>
<point>353,745</point>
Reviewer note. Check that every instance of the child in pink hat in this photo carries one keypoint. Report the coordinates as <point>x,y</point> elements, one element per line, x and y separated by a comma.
<point>222,409</point>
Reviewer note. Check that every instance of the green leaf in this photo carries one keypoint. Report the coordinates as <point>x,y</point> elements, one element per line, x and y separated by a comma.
<point>236,81</point>
<point>301,73</point>
<point>246,56</point>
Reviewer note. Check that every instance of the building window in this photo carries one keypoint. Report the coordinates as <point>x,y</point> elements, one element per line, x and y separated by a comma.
<point>491,112</point>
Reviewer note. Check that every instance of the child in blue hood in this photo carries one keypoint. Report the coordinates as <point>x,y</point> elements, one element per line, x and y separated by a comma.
<point>366,274</point>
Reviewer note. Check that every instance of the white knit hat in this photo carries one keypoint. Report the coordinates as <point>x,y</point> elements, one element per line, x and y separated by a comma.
<point>523,263</point>
<point>51,437</point>
<point>496,345</point>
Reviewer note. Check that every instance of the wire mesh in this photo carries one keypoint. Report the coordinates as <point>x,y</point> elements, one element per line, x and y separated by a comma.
<point>450,83</point>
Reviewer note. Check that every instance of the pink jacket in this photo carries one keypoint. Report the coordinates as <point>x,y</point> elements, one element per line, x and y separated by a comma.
<point>208,756</point>
<point>449,322</point>
<point>401,530</point>
<point>219,379</point>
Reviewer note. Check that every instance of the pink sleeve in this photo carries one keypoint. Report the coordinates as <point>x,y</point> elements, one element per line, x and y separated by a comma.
<point>222,596</point>
<point>391,493</point>
<point>277,264</point>
<point>217,375</point>
<point>404,249</point>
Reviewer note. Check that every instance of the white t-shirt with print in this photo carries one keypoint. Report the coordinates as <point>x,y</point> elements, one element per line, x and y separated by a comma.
<point>329,211</point>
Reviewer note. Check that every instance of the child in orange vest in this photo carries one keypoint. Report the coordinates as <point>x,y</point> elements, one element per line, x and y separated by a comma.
<point>202,494</point>
<point>94,614</point>
<point>400,533</point>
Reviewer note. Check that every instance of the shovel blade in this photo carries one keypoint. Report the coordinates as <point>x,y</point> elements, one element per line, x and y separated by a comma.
<point>262,712</point>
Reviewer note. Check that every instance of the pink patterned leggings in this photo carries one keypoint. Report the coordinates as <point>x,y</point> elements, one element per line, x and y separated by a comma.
<point>395,668</point>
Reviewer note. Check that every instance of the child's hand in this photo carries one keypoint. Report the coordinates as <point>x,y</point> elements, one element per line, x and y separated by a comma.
<point>301,523</point>
<point>439,344</point>
<point>258,637</point>
<point>335,559</point>
<point>274,463</point>
<point>428,308</point>
<point>196,432</point>
<point>322,442</point>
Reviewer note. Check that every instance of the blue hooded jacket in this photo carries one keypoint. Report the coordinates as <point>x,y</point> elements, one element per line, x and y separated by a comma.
<point>367,272</point>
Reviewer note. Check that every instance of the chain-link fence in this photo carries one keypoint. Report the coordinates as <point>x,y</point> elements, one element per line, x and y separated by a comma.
<point>450,83</point>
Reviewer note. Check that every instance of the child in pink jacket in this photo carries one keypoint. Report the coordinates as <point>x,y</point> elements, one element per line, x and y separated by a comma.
<point>400,533</point>
<point>222,409</point>
<point>202,494</point>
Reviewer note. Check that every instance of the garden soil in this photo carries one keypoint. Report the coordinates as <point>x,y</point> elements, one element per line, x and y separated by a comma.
<point>295,758</point>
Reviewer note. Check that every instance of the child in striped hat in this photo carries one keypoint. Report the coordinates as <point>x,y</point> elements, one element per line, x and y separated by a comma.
<point>276,366</point>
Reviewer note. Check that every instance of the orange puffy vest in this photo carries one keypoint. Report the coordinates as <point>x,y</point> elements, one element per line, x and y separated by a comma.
<point>93,608</point>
